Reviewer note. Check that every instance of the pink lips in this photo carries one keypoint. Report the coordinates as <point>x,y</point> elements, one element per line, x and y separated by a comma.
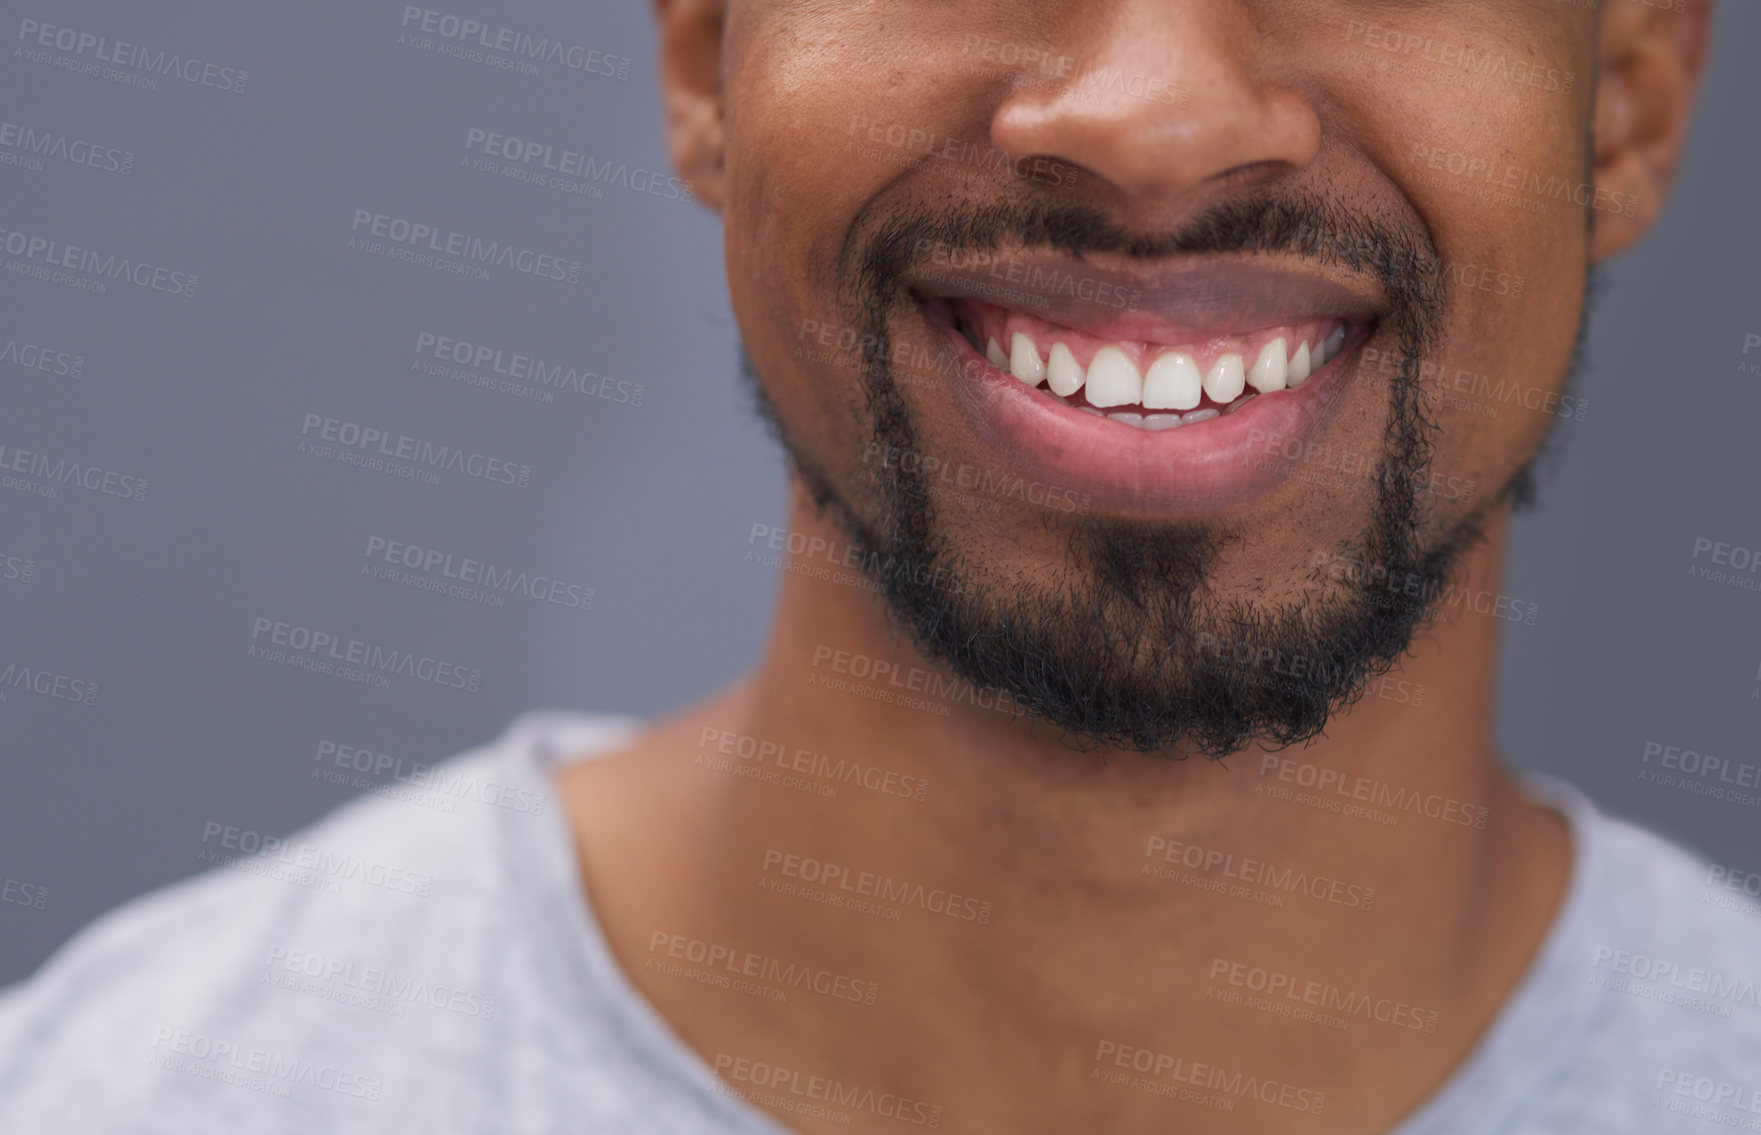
<point>1199,468</point>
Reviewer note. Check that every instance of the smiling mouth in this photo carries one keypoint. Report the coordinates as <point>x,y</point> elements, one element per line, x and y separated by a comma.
<point>1187,379</point>
<point>1186,395</point>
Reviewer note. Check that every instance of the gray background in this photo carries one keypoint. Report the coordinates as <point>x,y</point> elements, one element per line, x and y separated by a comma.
<point>649,505</point>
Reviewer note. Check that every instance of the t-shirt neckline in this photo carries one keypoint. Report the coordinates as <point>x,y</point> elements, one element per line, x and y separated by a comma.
<point>1503,1073</point>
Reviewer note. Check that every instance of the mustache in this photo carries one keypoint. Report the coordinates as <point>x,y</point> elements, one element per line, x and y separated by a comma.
<point>1401,261</point>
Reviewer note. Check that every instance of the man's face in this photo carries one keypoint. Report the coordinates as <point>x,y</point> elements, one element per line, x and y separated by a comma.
<point>1317,267</point>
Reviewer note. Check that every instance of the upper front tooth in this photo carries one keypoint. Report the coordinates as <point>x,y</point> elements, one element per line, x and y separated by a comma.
<point>1113,379</point>
<point>1173,383</point>
<point>1063,373</point>
<point>1226,380</point>
<point>1272,370</point>
<point>1299,366</point>
<point>995,354</point>
<point>1024,361</point>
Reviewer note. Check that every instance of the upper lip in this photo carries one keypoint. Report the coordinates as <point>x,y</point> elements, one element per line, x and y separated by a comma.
<point>1162,302</point>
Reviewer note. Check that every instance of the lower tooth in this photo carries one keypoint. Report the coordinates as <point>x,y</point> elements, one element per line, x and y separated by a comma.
<point>1128,418</point>
<point>1239,403</point>
<point>1204,415</point>
<point>1162,421</point>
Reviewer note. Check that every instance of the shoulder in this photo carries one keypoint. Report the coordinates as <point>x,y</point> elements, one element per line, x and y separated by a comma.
<point>304,979</point>
<point>1669,962</point>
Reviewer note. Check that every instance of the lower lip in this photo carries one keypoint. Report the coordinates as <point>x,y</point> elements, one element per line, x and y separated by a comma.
<point>1198,468</point>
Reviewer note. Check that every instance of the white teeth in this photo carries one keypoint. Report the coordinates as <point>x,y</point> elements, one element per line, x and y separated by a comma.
<point>1063,373</point>
<point>1226,380</point>
<point>1299,367</point>
<point>1172,383</point>
<point>1157,422</point>
<point>1271,371</point>
<point>1113,379</point>
<point>1024,361</point>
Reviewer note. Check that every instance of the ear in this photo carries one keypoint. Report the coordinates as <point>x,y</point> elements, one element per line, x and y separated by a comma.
<point>691,87</point>
<point>1652,58</point>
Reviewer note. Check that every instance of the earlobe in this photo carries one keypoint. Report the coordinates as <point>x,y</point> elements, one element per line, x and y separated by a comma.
<point>691,89</point>
<point>1651,62</point>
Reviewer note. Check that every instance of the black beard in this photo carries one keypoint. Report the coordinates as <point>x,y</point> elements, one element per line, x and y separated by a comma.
<point>1131,647</point>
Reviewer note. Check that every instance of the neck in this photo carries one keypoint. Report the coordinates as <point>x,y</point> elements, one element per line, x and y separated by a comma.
<point>1342,918</point>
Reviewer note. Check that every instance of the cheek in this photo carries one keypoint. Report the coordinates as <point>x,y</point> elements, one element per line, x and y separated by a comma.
<point>1497,170</point>
<point>824,115</point>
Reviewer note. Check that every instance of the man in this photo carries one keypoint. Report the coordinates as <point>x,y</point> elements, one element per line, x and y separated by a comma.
<point>1117,762</point>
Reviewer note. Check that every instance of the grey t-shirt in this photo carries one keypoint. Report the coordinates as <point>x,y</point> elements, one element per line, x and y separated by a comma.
<point>424,960</point>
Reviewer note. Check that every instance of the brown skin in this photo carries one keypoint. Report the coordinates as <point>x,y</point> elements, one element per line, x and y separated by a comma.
<point>1000,1023</point>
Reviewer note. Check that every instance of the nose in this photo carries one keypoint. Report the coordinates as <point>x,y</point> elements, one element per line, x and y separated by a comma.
<point>1170,97</point>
